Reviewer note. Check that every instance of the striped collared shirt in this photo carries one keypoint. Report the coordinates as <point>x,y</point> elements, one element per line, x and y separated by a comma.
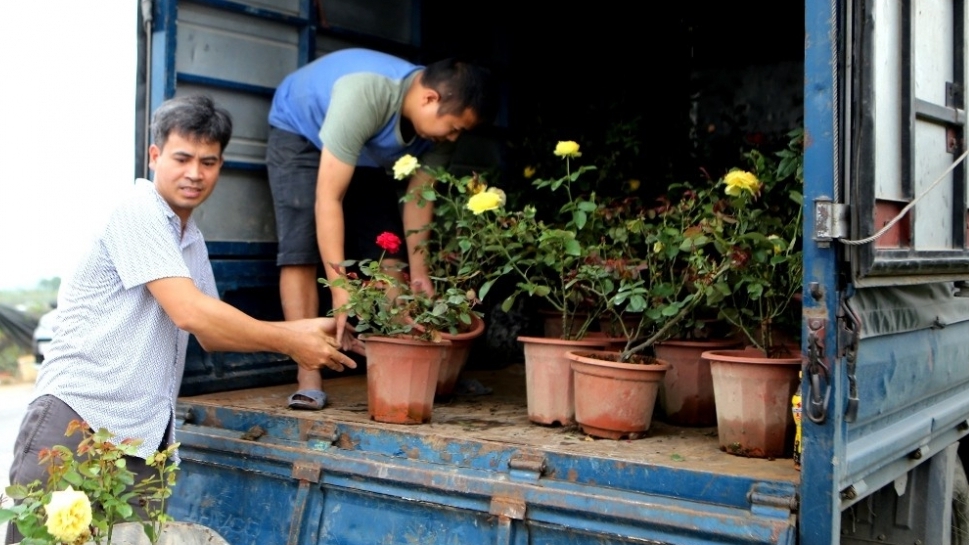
<point>115,357</point>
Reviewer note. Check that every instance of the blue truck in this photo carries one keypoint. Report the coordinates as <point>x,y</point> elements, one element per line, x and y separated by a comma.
<point>879,86</point>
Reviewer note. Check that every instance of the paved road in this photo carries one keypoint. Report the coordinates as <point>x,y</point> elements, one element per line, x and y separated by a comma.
<point>13,402</point>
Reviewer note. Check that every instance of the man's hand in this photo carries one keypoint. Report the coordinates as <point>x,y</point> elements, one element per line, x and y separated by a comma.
<point>318,346</point>
<point>422,284</point>
<point>343,331</point>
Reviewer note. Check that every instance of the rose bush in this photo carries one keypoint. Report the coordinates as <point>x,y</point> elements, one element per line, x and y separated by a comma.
<point>382,302</point>
<point>87,493</point>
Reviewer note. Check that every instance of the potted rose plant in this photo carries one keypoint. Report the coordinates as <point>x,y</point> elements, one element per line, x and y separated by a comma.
<point>762,215</point>
<point>455,266</point>
<point>402,332</point>
<point>678,269</point>
<point>88,497</point>
<point>542,258</point>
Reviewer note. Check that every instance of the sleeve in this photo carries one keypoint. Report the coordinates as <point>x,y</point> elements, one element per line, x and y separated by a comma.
<point>438,156</point>
<point>360,105</point>
<point>142,247</point>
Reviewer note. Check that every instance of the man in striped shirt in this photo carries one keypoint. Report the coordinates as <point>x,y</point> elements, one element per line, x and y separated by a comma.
<point>118,351</point>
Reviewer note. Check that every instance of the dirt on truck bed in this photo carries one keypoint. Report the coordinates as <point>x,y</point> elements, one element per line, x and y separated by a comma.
<point>501,417</point>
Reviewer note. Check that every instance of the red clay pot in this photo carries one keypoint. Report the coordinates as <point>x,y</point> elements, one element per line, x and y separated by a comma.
<point>552,323</point>
<point>753,398</point>
<point>686,396</point>
<point>614,400</point>
<point>548,377</point>
<point>401,378</point>
<point>460,350</point>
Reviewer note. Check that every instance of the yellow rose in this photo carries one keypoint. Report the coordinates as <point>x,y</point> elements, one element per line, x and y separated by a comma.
<point>484,201</point>
<point>567,148</point>
<point>658,247</point>
<point>68,514</point>
<point>633,184</point>
<point>529,171</point>
<point>500,193</point>
<point>738,181</point>
<point>405,166</point>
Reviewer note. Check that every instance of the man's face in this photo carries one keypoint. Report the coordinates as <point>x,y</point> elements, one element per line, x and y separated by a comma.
<point>431,125</point>
<point>186,171</point>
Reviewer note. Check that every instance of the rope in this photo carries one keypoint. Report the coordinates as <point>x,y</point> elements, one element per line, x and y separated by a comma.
<point>908,207</point>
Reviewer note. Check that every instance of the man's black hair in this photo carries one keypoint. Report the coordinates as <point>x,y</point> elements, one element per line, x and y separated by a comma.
<point>463,85</point>
<point>194,117</point>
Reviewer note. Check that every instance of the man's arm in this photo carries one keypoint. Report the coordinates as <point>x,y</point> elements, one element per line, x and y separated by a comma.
<point>416,218</point>
<point>221,327</point>
<point>331,185</point>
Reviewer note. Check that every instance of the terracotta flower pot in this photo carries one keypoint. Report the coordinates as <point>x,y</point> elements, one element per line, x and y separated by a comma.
<point>460,350</point>
<point>613,399</point>
<point>552,323</point>
<point>402,377</point>
<point>686,396</point>
<point>548,377</point>
<point>753,399</point>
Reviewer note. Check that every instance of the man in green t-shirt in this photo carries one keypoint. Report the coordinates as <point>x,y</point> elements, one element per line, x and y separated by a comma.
<point>336,126</point>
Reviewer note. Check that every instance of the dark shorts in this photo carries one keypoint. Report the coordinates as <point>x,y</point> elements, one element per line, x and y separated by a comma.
<point>43,427</point>
<point>371,205</point>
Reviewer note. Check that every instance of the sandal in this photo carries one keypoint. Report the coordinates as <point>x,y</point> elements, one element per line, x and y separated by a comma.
<point>307,400</point>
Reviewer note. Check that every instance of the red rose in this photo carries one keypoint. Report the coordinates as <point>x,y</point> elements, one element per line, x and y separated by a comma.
<point>389,242</point>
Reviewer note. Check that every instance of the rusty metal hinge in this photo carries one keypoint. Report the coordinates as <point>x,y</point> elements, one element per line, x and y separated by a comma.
<point>526,466</point>
<point>830,220</point>
<point>322,434</point>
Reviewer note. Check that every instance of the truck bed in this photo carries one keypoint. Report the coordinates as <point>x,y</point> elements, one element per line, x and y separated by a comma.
<point>480,472</point>
<point>500,417</point>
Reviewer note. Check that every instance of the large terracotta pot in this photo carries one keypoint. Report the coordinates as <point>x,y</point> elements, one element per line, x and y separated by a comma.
<point>460,350</point>
<point>548,377</point>
<point>686,396</point>
<point>753,398</point>
<point>613,399</point>
<point>402,377</point>
<point>552,323</point>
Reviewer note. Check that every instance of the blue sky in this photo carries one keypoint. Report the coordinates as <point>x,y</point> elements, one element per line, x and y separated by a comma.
<point>67,144</point>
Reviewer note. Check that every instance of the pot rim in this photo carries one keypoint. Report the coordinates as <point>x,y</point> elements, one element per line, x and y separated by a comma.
<point>746,356</point>
<point>580,357</point>
<point>583,342</point>
<point>714,344</point>
<point>402,340</point>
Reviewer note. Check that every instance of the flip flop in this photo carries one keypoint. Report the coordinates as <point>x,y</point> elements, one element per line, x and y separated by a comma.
<point>313,400</point>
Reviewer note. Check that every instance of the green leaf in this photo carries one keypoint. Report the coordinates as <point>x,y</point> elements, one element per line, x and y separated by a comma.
<point>428,194</point>
<point>676,457</point>
<point>485,288</point>
<point>586,206</point>
<point>508,303</point>
<point>580,218</point>
<point>572,247</point>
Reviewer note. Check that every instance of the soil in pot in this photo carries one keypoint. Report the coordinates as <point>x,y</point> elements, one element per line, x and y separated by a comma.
<point>615,400</point>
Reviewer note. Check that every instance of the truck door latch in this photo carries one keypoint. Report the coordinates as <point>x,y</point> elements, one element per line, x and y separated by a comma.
<point>848,335</point>
<point>818,372</point>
